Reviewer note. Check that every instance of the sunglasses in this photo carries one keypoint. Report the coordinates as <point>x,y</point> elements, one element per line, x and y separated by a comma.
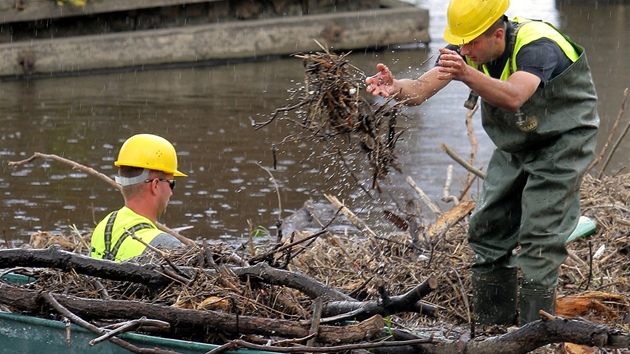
<point>171,182</point>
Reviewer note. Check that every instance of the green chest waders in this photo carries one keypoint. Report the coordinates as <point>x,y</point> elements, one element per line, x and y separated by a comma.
<point>530,197</point>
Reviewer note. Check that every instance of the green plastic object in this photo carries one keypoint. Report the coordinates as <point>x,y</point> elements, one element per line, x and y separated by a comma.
<point>585,227</point>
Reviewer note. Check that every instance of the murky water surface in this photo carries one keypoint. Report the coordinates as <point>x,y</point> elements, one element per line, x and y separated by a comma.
<point>207,112</point>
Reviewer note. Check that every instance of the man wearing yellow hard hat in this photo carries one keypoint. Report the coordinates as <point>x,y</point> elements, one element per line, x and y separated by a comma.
<point>147,166</point>
<point>538,105</point>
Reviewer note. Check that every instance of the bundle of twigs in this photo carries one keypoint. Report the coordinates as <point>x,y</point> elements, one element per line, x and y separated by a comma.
<point>329,110</point>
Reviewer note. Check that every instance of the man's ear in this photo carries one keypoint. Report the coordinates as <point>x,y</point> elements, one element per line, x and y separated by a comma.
<point>153,186</point>
<point>499,34</point>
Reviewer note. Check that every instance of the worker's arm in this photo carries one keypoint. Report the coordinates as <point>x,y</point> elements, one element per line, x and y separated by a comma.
<point>409,91</point>
<point>509,95</point>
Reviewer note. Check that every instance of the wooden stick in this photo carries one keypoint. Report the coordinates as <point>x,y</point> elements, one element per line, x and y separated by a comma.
<point>424,197</point>
<point>623,134</point>
<point>473,147</point>
<point>185,240</point>
<point>317,315</point>
<point>73,164</point>
<point>81,322</point>
<point>355,220</point>
<point>128,326</point>
<point>462,162</point>
<point>446,191</point>
<point>612,132</point>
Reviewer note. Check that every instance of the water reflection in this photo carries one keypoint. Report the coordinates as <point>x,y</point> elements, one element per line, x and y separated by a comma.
<point>207,111</point>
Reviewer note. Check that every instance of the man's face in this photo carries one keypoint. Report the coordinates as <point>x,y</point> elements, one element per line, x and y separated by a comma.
<point>164,193</point>
<point>482,49</point>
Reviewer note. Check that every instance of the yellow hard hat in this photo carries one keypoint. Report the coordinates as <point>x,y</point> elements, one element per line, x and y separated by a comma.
<point>468,19</point>
<point>151,152</point>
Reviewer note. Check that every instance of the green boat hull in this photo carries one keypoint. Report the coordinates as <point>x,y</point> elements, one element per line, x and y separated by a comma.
<point>28,334</point>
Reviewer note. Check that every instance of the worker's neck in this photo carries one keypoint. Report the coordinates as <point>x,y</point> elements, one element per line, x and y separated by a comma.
<point>143,208</point>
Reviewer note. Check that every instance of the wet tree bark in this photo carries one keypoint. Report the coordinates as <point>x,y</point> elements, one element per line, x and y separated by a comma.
<point>89,309</point>
<point>152,275</point>
<point>408,302</point>
<point>55,257</point>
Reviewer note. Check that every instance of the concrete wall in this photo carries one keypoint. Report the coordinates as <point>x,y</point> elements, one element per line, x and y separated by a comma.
<point>220,40</point>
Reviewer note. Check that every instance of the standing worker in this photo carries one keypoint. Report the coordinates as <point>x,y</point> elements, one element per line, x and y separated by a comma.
<point>147,165</point>
<point>539,108</point>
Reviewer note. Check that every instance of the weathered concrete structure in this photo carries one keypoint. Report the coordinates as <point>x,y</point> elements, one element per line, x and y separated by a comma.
<point>40,37</point>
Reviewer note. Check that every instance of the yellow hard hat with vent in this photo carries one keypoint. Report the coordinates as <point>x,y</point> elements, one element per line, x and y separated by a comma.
<point>468,19</point>
<point>151,152</point>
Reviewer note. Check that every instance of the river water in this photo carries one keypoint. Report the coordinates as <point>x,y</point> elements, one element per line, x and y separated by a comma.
<point>206,111</point>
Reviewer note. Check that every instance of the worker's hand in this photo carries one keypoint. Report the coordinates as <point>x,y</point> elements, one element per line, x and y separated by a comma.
<point>452,66</point>
<point>382,83</point>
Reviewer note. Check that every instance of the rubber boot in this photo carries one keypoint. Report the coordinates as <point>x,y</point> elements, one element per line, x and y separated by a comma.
<point>494,297</point>
<point>532,300</point>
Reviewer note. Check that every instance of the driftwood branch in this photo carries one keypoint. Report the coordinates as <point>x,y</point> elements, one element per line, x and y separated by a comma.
<point>106,179</point>
<point>462,162</point>
<point>211,321</point>
<point>55,257</point>
<point>295,280</point>
<point>604,149</point>
<point>434,208</point>
<point>408,302</point>
<point>130,326</point>
<point>79,321</point>
<point>350,215</point>
<point>619,139</point>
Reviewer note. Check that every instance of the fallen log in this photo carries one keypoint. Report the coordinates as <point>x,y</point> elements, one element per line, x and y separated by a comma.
<point>521,341</point>
<point>30,301</point>
<point>295,280</point>
<point>408,302</point>
<point>55,257</point>
<point>343,306</point>
<point>152,275</point>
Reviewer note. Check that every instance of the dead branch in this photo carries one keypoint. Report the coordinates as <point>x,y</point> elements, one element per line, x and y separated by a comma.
<point>612,133</point>
<point>434,208</point>
<point>473,147</point>
<point>619,139</point>
<point>212,321</point>
<point>330,110</point>
<point>104,178</point>
<point>446,191</point>
<point>350,215</point>
<point>54,257</point>
<point>524,340</point>
<point>79,321</point>
<point>462,162</point>
<point>309,286</point>
<point>408,302</point>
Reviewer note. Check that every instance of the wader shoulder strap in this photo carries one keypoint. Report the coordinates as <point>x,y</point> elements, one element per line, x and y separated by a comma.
<point>108,236</point>
<point>110,253</point>
<point>512,43</point>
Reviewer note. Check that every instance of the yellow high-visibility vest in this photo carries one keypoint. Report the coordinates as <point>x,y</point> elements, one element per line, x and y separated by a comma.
<point>525,32</point>
<point>111,239</point>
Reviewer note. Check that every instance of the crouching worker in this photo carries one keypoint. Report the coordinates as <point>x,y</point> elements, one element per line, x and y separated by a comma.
<point>147,165</point>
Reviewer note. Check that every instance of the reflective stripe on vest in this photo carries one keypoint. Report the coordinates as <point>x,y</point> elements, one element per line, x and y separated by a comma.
<point>110,253</point>
<point>110,238</point>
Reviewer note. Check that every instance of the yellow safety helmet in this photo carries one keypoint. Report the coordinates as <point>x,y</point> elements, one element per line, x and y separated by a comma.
<point>151,152</point>
<point>468,19</point>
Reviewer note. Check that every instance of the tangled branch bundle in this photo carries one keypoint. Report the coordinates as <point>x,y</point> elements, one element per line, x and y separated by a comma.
<point>330,111</point>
